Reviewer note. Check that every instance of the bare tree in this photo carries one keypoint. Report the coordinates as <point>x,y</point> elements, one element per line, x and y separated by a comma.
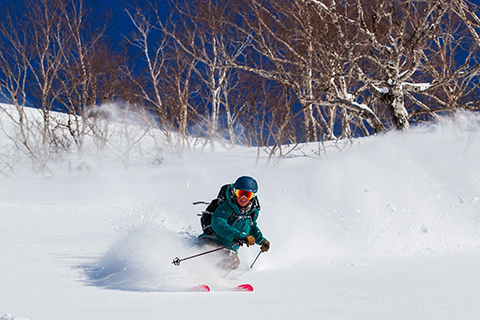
<point>364,57</point>
<point>266,74</point>
<point>150,39</point>
<point>179,87</point>
<point>298,46</point>
<point>396,42</point>
<point>29,64</point>
<point>207,36</point>
<point>86,61</point>
<point>53,59</point>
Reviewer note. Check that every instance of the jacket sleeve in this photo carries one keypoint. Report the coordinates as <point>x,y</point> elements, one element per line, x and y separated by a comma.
<point>220,224</point>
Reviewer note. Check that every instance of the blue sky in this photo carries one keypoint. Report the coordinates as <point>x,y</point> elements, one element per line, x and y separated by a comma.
<point>121,24</point>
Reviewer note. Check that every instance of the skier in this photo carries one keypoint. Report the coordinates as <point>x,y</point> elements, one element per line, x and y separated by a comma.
<point>235,221</point>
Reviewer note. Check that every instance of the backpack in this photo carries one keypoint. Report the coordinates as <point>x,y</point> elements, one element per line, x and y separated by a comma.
<point>206,215</point>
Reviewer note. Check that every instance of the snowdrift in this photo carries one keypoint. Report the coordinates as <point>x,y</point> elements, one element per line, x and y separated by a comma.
<point>387,227</point>
<point>401,194</point>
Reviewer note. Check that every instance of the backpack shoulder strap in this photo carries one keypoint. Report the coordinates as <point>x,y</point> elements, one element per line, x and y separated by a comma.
<point>222,194</point>
<point>221,197</point>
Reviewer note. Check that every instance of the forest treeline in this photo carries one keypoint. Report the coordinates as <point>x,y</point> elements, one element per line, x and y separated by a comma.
<point>270,74</point>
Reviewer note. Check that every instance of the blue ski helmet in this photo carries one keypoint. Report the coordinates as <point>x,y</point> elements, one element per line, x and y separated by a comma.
<point>246,183</point>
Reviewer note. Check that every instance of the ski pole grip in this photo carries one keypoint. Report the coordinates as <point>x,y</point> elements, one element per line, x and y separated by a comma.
<point>239,242</point>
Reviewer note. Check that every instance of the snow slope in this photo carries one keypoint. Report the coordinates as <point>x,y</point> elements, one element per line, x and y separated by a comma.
<point>385,229</point>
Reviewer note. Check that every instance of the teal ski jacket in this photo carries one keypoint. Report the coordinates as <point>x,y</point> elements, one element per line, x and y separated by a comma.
<point>229,223</point>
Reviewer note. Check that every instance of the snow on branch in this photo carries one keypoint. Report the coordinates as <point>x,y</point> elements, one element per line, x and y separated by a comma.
<point>320,4</point>
<point>361,109</point>
<point>382,90</point>
<point>416,87</point>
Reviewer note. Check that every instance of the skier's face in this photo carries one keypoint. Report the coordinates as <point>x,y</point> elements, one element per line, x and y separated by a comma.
<point>242,201</point>
<point>243,197</point>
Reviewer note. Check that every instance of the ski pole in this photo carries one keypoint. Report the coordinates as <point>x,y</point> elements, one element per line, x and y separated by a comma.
<point>177,261</point>
<point>258,255</point>
<point>200,202</point>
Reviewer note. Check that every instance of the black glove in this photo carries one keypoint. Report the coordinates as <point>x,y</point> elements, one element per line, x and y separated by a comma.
<point>265,245</point>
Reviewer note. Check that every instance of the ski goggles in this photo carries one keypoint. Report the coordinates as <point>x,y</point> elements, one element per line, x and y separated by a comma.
<point>242,193</point>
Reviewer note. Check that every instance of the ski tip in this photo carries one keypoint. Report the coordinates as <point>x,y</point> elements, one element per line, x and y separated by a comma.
<point>244,287</point>
<point>202,288</point>
<point>205,288</point>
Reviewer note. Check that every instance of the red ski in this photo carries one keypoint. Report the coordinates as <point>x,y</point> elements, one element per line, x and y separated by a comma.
<point>244,287</point>
<point>205,288</point>
<point>202,288</point>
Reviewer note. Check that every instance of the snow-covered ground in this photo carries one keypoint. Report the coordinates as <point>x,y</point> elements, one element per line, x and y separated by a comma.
<point>388,228</point>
